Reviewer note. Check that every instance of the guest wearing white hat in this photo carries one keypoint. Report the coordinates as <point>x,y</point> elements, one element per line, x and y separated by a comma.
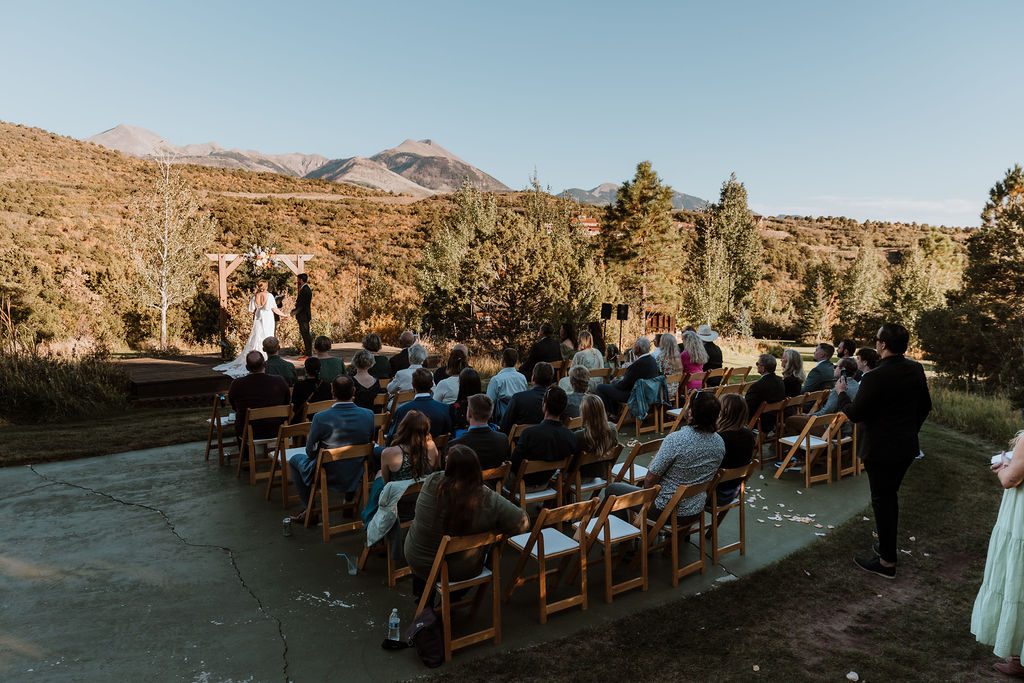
<point>708,336</point>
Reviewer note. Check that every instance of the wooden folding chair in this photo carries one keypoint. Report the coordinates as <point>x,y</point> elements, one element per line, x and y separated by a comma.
<point>574,423</point>
<point>678,415</point>
<point>441,443</point>
<point>320,490</point>
<point>513,436</point>
<point>812,447</point>
<point>394,572</point>
<point>651,422</point>
<point>694,376</point>
<point>717,509</point>
<point>838,443</point>
<point>819,397</point>
<point>311,409</point>
<point>602,374</point>
<point>381,422</point>
<point>289,436</point>
<point>723,389</point>
<point>440,580</point>
<point>629,471</point>
<point>517,493</point>
<point>721,373</point>
<point>494,477</point>
<point>217,424</point>
<point>384,382</point>
<point>764,437</point>
<point>609,530</point>
<point>544,543</point>
<point>576,487</point>
<point>251,443</point>
<point>380,402</point>
<point>669,521</point>
<point>399,398</point>
<point>618,373</point>
<point>559,367</point>
<point>740,373</point>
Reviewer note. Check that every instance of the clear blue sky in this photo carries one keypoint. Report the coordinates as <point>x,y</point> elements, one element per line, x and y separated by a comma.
<point>898,110</point>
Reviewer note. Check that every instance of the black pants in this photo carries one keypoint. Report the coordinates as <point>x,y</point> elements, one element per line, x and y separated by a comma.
<point>307,338</point>
<point>885,479</point>
<point>612,396</point>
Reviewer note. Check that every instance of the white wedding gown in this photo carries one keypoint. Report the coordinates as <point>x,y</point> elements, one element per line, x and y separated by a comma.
<point>262,327</point>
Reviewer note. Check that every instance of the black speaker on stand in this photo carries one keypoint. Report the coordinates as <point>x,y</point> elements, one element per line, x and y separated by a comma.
<point>622,313</point>
<point>606,315</point>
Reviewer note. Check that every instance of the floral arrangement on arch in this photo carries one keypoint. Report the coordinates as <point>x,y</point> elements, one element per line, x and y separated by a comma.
<point>263,258</point>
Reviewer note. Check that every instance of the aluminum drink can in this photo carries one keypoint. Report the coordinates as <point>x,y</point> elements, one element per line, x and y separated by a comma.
<point>286,526</point>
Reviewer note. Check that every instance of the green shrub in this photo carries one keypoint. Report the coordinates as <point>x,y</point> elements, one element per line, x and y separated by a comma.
<point>989,416</point>
<point>47,388</point>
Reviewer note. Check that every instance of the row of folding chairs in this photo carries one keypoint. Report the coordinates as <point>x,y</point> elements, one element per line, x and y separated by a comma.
<point>561,544</point>
<point>833,452</point>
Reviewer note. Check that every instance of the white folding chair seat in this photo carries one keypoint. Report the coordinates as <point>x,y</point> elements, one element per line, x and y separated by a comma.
<point>593,484</point>
<point>555,542</point>
<point>456,585</point>
<point>620,529</point>
<point>224,420</point>
<point>636,472</point>
<point>815,442</point>
<point>531,496</point>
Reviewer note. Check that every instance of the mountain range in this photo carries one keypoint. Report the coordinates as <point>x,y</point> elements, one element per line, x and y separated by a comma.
<point>416,167</point>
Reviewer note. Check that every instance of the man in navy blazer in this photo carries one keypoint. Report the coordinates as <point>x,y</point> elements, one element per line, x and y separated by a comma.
<point>344,424</point>
<point>644,367</point>
<point>822,375</point>
<point>525,408</point>
<point>437,412</point>
<point>549,440</point>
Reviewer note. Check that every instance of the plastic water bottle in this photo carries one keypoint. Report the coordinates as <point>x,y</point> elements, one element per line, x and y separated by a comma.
<point>394,626</point>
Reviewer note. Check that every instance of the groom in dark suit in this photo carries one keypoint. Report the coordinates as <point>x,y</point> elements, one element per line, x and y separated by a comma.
<point>302,313</point>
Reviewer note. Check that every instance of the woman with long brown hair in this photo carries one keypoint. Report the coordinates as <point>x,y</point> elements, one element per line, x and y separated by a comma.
<point>739,444</point>
<point>412,453</point>
<point>456,503</point>
<point>596,435</point>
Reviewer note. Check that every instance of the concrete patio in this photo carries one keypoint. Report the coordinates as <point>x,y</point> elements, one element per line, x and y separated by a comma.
<point>158,565</point>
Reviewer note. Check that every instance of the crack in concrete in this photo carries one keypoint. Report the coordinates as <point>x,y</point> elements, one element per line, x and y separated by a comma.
<point>27,491</point>
<point>170,525</point>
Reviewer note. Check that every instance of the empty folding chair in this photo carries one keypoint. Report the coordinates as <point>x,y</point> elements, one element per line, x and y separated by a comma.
<point>630,472</point>
<point>717,509</point>
<point>218,421</point>
<point>813,448</point>
<point>544,543</point>
<point>676,531</point>
<point>765,424</point>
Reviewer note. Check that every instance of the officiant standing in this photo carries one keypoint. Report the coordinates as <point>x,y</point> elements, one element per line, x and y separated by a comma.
<point>302,314</point>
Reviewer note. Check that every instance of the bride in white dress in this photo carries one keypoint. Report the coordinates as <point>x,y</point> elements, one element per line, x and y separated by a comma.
<point>261,305</point>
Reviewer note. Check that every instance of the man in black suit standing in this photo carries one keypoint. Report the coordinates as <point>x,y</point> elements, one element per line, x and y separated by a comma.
<point>302,313</point>
<point>544,350</point>
<point>644,367</point>
<point>892,404</point>
<point>769,389</point>
<point>550,440</point>
<point>491,447</point>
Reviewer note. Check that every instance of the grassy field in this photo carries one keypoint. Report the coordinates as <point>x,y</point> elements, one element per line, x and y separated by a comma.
<point>814,615</point>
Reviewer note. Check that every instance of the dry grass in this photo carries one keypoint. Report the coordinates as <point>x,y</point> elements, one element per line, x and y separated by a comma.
<point>990,417</point>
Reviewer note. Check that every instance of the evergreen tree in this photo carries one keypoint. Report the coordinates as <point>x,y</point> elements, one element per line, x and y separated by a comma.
<point>818,306</point>
<point>909,292</point>
<point>731,221</point>
<point>860,294</point>
<point>709,292</point>
<point>642,245</point>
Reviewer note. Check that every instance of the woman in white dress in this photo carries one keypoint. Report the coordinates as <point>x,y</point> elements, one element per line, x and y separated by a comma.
<point>261,305</point>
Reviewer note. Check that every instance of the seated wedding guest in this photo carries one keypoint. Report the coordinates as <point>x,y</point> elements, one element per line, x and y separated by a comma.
<point>257,390</point>
<point>821,375</point>
<point>456,503</point>
<point>867,360</point>
<point>693,357</point>
<point>669,361</point>
<point>469,385</point>
<point>549,440</point>
<point>437,412</point>
<point>400,361</point>
<point>412,453</point>
<point>740,443</point>
<point>845,348</point>
<point>795,423</point>
<point>611,356</point>
<point>367,386</point>
<point>403,378</point>
<point>446,389</point>
<point>442,371</point>
<point>793,372</point>
<point>656,346</point>
<point>568,344</point>
<point>544,350</point>
<point>597,435</point>
<point>525,406</point>
<point>579,380</point>
<point>277,365</point>
<point>344,424</point>
<point>381,368</point>
<point>490,446</point>
<point>691,455</point>
<point>507,383</point>
<point>768,389</point>
<point>587,357</point>
<point>330,367</point>
<point>644,367</point>
<point>309,390</point>
<point>714,362</point>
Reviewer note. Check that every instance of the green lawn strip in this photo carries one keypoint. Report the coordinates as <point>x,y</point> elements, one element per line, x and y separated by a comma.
<point>813,615</point>
<point>128,431</point>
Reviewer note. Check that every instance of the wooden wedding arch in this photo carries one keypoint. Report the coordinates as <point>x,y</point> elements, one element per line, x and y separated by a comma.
<point>228,263</point>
